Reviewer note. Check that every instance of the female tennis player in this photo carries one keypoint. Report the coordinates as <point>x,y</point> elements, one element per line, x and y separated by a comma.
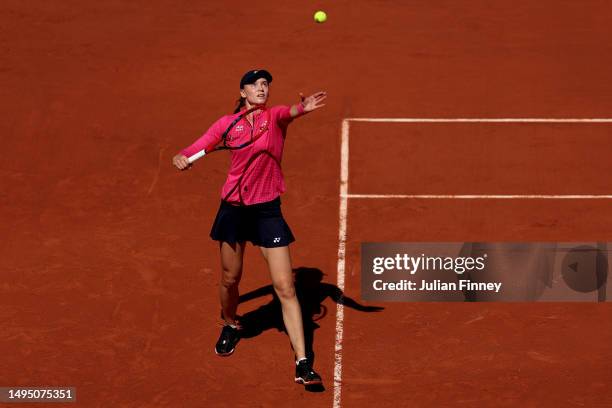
<point>250,207</point>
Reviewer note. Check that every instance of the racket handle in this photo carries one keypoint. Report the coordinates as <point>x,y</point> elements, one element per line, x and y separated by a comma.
<point>196,156</point>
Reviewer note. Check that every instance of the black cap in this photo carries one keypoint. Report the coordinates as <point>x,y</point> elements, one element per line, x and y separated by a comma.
<point>252,76</point>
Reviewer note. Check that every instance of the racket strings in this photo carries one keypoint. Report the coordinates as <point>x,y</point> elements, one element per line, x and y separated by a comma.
<point>231,141</point>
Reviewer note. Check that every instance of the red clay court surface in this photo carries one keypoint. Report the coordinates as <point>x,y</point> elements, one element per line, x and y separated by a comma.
<point>109,279</point>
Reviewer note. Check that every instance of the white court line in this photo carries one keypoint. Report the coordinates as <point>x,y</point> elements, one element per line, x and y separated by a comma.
<point>480,120</point>
<point>488,196</point>
<point>344,154</point>
<point>344,196</point>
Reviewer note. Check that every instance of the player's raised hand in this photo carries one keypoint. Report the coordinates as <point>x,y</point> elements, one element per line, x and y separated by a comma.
<point>313,101</point>
<point>181,162</point>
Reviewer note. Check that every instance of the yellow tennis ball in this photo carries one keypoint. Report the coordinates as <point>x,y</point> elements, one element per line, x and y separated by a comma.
<point>320,16</point>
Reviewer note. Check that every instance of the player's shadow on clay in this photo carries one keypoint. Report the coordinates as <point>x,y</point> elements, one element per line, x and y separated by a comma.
<point>311,292</point>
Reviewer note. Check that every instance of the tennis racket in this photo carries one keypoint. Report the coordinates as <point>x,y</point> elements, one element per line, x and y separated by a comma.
<point>228,142</point>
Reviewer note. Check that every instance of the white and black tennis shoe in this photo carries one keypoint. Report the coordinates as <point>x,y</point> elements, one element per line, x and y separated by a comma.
<point>227,341</point>
<point>304,374</point>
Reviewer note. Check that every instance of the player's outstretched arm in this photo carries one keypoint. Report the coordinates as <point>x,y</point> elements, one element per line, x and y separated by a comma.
<point>309,103</point>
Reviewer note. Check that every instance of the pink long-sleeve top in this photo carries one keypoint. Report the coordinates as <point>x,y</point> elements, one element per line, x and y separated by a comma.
<point>255,175</point>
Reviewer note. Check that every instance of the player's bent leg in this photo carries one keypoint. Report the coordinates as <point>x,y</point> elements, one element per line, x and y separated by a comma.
<point>231,272</point>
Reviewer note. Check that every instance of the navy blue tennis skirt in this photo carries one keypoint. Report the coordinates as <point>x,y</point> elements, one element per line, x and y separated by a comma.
<point>262,224</point>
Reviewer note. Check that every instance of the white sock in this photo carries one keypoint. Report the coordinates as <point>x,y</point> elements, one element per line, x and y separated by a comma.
<point>298,362</point>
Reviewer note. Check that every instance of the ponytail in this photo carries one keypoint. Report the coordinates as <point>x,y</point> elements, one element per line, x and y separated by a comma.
<point>239,104</point>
